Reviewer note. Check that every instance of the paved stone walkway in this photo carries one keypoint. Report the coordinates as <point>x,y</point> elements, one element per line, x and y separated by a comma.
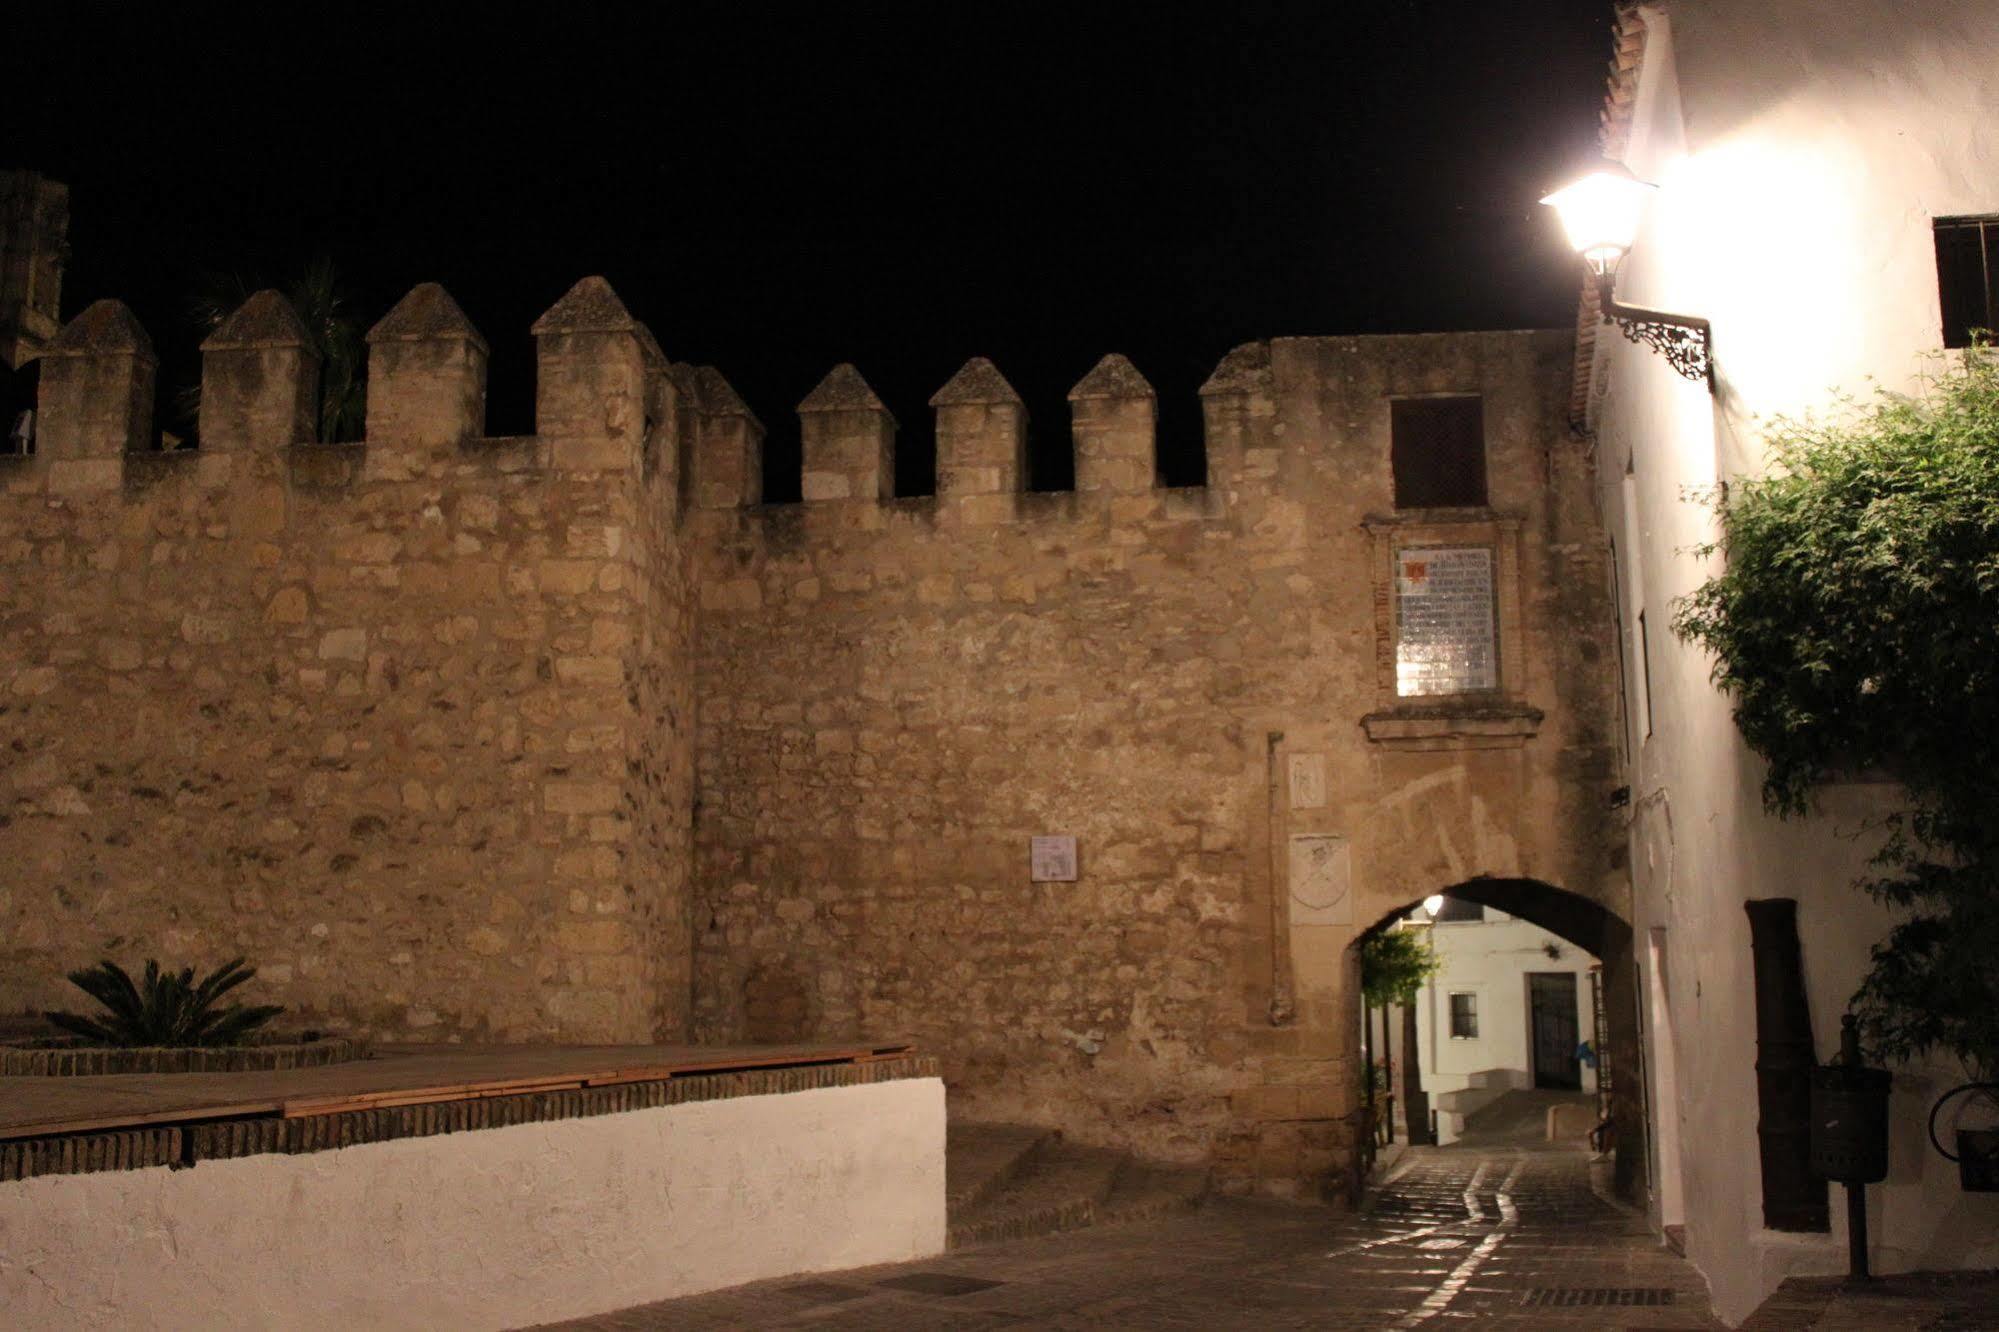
<point>1489,1238</point>
<point>1909,1302</point>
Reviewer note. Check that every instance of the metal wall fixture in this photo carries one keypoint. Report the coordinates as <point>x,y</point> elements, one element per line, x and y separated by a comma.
<point>1600,213</point>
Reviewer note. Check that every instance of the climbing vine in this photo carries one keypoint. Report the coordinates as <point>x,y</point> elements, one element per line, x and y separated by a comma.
<point>1856,627</point>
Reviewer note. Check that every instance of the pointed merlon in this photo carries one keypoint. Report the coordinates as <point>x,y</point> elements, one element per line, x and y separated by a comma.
<point>687,380</point>
<point>588,307</point>
<point>427,314</point>
<point>265,320</point>
<point>649,346</point>
<point>717,397</point>
<point>979,381</point>
<point>1244,370</point>
<point>842,390</point>
<point>1114,377</point>
<point>106,328</point>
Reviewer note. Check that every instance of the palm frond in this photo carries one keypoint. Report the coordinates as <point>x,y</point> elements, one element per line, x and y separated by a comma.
<point>164,1008</point>
<point>78,1025</point>
<point>236,1021</point>
<point>108,984</point>
<point>221,981</point>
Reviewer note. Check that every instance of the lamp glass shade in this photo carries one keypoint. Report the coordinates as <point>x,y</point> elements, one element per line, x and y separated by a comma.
<point>1600,213</point>
<point>1433,904</point>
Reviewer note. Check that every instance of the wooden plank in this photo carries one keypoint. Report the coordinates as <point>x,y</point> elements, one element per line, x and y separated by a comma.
<point>140,1119</point>
<point>303,1107</point>
<point>547,1075</point>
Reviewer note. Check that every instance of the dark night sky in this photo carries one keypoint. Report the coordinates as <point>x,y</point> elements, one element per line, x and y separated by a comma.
<point>776,188</point>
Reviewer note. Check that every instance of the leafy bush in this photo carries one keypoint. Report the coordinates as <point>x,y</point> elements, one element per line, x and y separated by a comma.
<point>1857,626</point>
<point>1394,963</point>
<point>164,1009</point>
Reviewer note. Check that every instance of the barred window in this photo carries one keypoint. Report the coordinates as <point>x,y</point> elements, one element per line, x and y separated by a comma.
<point>1967,276</point>
<point>1438,446</point>
<point>1464,1016</point>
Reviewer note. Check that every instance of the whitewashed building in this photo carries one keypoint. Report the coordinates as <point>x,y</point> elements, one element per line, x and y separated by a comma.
<point>1813,159</point>
<point>1511,1006</point>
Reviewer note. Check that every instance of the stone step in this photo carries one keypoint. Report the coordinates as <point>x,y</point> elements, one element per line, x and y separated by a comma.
<point>1061,1192</point>
<point>980,1159</point>
<point>1467,1101</point>
<point>1066,1187</point>
<point>1148,1192</point>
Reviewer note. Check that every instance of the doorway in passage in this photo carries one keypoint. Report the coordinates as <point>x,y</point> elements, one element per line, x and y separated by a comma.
<point>1555,1031</point>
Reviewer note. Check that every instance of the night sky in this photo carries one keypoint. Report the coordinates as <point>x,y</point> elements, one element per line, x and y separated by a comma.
<point>777,188</point>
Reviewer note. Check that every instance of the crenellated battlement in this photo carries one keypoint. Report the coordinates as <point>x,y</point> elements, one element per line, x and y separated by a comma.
<point>607,400</point>
<point>848,439</point>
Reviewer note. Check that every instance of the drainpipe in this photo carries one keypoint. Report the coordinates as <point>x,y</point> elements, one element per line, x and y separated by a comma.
<point>1283,995</point>
<point>1793,1197</point>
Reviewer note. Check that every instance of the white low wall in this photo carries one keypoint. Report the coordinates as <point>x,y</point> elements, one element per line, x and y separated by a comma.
<point>487,1229</point>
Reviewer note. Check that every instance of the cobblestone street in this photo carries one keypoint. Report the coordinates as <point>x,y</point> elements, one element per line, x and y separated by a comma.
<point>1500,1237</point>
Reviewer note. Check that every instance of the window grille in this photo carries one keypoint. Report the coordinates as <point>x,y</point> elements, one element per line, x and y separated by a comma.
<point>1438,446</point>
<point>1464,1016</point>
<point>1967,276</point>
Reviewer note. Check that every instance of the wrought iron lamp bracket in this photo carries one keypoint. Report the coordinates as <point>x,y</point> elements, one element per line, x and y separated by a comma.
<point>1687,343</point>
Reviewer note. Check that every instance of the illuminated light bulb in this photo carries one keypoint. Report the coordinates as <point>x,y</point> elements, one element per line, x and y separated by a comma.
<point>1600,213</point>
<point>1433,904</point>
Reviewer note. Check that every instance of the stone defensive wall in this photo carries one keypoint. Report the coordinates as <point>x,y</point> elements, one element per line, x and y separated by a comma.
<point>1199,685</point>
<point>570,737</point>
<point>406,722</point>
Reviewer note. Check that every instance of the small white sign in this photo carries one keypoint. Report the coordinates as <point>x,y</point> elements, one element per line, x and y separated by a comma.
<point>1052,859</point>
<point>1308,781</point>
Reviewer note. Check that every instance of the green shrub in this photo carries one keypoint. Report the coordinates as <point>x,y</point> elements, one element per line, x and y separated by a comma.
<point>165,1008</point>
<point>1856,626</point>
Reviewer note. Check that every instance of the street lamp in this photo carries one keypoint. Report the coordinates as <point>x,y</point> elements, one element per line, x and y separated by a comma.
<point>1434,905</point>
<point>1600,212</point>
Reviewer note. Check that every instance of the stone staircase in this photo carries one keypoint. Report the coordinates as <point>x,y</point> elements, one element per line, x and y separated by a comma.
<point>1456,1108</point>
<point>1008,1181</point>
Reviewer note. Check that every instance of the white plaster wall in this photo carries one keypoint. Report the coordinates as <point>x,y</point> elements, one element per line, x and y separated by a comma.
<point>488,1229</point>
<point>1492,959</point>
<point>1802,147</point>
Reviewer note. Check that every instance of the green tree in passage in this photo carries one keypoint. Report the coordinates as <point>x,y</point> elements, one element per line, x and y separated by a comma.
<point>1394,963</point>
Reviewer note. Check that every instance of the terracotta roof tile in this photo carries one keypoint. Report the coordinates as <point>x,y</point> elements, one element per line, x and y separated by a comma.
<point>1627,45</point>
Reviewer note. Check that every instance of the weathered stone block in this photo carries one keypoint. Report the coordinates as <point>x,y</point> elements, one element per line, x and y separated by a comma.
<point>259,379</point>
<point>426,380</point>
<point>848,440</point>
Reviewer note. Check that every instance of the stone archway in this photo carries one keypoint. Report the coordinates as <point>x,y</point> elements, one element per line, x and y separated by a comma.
<point>1596,929</point>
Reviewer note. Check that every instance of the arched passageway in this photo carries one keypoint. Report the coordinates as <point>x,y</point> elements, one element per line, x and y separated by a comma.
<point>1597,930</point>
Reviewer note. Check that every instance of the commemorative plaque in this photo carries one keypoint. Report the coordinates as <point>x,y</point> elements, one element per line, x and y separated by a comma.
<point>1444,634</point>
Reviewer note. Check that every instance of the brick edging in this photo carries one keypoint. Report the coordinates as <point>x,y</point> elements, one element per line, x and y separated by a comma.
<point>97,1061</point>
<point>185,1145</point>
